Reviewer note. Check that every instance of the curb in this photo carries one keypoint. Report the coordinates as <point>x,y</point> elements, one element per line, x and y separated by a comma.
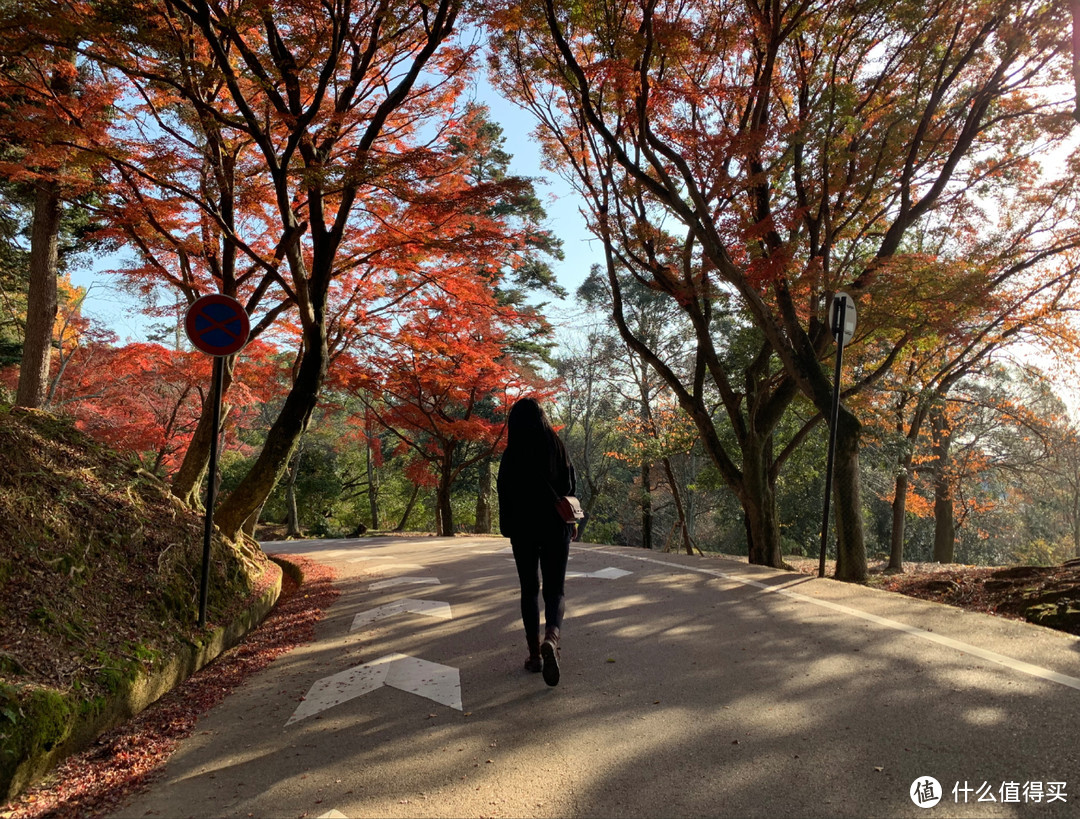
<point>73,731</point>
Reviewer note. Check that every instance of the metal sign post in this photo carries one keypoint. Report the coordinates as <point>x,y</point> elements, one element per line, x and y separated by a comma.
<point>218,325</point>
<point>211,487</point>
<point>842,319</point>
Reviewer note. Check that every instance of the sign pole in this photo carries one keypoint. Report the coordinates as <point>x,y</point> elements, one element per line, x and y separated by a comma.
<point>211,487</point>
<point>217,325</point>
<point>838,329</point>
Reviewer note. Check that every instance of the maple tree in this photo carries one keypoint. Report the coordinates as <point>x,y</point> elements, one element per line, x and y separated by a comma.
<point>995,425</point>
<point>445,383</point>
<point>187,196</point>
<point>737,373</point>
<point>334,132</point>
<point>795,147</point>
<point>972,300</point>
<point>655,437</point>
<point>145,398</point>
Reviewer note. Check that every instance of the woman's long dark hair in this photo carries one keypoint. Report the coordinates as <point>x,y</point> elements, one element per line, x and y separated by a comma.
<point>530,434</point>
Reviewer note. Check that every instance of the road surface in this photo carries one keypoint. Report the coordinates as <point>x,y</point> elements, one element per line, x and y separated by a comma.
<point>690,687</point>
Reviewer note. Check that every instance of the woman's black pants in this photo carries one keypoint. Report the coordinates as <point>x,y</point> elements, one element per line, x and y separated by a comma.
<point>542,557</point>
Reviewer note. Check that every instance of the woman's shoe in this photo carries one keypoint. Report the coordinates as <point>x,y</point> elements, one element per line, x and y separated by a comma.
<point>534,663</point>
<point>549,652</point>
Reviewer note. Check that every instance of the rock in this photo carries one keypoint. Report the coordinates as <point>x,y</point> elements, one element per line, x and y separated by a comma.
<point>999,585</point>
<point>1063,615</point>
<point>1021,572</point>
<point>1067,595</point>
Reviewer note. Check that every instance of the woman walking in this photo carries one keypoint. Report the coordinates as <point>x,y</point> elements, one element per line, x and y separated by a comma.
<point>535,472</point>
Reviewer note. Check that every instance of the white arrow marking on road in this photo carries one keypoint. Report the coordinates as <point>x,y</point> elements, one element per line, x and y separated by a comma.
<point>432,681</point>
<point>332,814</point>
<point>429,608</point>
<point>343,686</point>
<point>441,683</point>
<point>370,558</point>
<point>610,573</point>
<point>405,581</point>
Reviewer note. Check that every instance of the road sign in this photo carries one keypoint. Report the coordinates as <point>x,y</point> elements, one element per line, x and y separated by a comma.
<point>217,324</point>
<point>849,317</point>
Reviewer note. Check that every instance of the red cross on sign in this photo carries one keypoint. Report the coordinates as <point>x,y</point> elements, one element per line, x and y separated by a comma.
<point>217,324</point>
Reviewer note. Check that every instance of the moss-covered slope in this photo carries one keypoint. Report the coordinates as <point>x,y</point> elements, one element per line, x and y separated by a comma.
<point>99,583</point>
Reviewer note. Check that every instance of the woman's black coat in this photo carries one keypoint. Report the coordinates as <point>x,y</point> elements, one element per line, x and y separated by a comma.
<point>533,473</point>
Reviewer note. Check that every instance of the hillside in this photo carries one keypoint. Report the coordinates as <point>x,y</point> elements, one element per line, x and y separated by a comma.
<point>99,578</point>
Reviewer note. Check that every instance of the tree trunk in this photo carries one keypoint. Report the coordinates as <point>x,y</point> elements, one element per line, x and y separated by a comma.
<point>683,524</point>
<point>847,500</point>
<point>373,487</point>
<point>408,509</point>
<point>41,299</point>
<point>41,303</point>
<point>758,498</point>
<point>763,533</point>
<point>646,507</point>
<point>899,520</point>
<point>444,512</point>
<point>188,479</point>
<point>1076,519</point>
<point>898,531</point>
<point>251,523</point>
<point>483,499</point>
<point>944,520</point>
<point>293,520</point>
<point>944,524</point>
<point>282,438</point>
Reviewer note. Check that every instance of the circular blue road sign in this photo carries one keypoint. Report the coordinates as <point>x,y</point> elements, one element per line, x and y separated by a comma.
<point>217,324</point>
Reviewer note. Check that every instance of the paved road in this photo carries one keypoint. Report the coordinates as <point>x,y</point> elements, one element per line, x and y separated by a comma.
<point>691,687</point>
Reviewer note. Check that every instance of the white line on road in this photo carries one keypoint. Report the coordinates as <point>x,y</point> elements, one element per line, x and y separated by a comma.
<point>915,631</point>
<point>429,608</point>
<point>610,573</point>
